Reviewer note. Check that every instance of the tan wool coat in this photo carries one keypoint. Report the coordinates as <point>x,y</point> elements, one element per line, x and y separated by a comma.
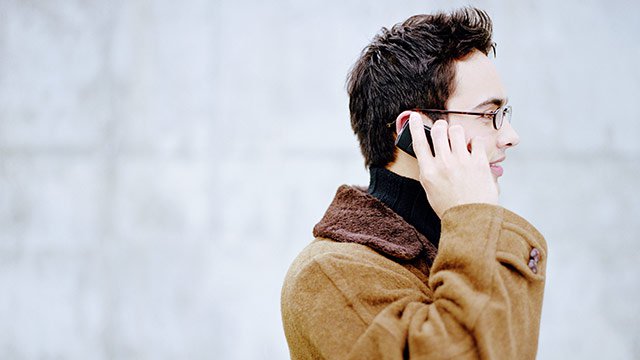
<point>370,286</point>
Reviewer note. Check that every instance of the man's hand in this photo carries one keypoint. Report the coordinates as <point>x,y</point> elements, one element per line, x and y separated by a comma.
<point>454,176</point>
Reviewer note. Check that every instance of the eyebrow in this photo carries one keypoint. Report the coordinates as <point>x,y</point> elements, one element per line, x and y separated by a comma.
<point>492,101</point>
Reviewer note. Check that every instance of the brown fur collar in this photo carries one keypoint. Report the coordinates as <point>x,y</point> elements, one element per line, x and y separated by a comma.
<point>355,216</point>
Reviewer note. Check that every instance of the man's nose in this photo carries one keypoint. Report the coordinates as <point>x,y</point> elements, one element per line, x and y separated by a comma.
<point>508,137</point>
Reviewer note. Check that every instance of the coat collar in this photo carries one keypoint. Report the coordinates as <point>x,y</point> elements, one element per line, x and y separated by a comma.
<point>357,217</point>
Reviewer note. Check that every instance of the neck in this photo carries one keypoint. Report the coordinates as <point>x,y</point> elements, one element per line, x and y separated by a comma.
<point>405,165</point>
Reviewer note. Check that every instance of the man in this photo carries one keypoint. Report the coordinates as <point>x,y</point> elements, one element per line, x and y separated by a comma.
<point>424,264</point>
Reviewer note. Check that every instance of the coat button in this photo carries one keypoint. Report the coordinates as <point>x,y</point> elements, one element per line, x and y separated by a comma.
<point>535,254</point>
<point>533,265</point>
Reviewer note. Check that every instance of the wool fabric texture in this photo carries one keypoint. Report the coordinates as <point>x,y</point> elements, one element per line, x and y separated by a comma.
<point>370,286</point>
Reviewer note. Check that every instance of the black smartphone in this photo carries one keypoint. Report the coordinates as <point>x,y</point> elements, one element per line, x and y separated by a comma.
<point>405,142</point>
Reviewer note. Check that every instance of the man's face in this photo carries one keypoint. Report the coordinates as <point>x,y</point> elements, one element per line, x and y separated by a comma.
<point>478,88</point>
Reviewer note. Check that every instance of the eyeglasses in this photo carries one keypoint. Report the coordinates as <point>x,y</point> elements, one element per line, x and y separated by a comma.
<point>498,116</point>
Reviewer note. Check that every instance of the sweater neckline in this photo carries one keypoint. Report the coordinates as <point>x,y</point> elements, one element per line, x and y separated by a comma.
<point>407,198</point>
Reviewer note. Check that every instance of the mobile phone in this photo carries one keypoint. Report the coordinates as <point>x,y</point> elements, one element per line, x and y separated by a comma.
<point>405,142</point>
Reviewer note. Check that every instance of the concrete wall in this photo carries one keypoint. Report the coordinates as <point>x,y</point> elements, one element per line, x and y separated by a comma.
<point>162,162</point>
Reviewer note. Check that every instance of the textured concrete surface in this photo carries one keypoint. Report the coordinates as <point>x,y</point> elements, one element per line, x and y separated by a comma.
<point>162,162</point>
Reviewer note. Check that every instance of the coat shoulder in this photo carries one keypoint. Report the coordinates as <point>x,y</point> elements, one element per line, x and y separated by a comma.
<point>333,259</point>
<point>327,270</point>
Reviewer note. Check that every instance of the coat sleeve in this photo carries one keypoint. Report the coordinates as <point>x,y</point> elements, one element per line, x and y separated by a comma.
<point>482,301</point>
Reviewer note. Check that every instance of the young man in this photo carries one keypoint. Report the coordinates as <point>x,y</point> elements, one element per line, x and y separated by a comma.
<point>424,264</point>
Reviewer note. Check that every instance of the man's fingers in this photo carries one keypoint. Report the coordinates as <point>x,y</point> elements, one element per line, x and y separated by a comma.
<point>440,138</point>
<point>457,140</point>
<point>420,145</point>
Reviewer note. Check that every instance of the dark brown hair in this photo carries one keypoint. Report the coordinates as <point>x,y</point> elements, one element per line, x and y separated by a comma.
<point>409,66</point>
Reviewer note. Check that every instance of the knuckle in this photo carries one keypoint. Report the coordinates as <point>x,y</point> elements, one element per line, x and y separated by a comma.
<point>447,165</point>
<point>427,172</point>
<point>425,177</point>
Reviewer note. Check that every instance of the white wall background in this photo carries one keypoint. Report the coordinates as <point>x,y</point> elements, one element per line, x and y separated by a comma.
<point>162,163</point>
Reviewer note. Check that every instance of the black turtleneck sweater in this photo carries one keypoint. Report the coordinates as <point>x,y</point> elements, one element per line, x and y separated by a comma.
<point>407,198</point>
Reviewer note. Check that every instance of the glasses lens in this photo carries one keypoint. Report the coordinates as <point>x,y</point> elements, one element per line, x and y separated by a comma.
<point>507,114</point>
<point>501,116</point>
<point>497,119</point>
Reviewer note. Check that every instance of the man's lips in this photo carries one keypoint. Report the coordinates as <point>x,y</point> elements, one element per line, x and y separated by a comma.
<point>496,169</point>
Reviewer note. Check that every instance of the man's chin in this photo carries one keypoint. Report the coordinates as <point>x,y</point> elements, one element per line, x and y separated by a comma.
<point>495,180</point>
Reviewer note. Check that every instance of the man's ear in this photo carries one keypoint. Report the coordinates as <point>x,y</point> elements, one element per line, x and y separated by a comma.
<point>402,119</point>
